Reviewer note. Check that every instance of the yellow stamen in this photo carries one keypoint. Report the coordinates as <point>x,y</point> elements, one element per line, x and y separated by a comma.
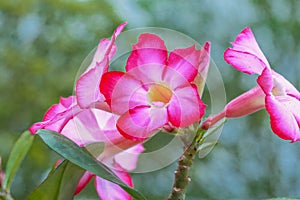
<point>159,93</point>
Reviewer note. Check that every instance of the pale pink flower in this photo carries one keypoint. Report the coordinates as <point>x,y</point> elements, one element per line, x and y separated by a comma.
<point>120,154</point>
<point>280,98</point>
<point>156,90</point>
<point>84,119</point>
<point>87,89</point>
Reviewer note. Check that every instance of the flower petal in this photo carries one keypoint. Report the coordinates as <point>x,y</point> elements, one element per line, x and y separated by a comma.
<point>106,48</point>
<point>58,115</point>
<point>247,103</point>
<point>150,49</point>
<point>185,107</point>
<point>204,59</point>
<point>265,81</point>
<point>63,105</point>
<point>110,191</point>
<point>148,74</point>
<point>289,88</point>
<point>87,86</point>
<point>122,91</point>
<point>246,55</point>
<point>85,179</point>
<point>283,122</point>
<point>138,123</point>
<point>128,159</point>
<point>203,68</point>
<point>108,83</point>
<point>185,61</point>
<point>90,126</point>
<point>87,90</point>
<point>292,104</point>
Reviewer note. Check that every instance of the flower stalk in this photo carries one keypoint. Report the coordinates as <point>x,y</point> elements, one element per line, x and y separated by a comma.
<point>182,178</point>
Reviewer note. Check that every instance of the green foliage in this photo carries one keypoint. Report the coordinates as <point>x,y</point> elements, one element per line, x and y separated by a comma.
<point>17,155</point>
<point>60,184</point>
<point>81,157</point>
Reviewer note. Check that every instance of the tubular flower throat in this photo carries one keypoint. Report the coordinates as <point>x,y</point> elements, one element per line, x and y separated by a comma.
<point>159,95</point>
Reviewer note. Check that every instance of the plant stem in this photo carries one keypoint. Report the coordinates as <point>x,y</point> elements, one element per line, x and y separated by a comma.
<point>185,162</point>
<point>5,195</point>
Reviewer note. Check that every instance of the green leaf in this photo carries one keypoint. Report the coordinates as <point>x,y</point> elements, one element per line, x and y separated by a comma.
<point>16,156</point>
<point>95,148</point>
<point>60,183</point>
<point>81,157</point>
<point>210,139</point>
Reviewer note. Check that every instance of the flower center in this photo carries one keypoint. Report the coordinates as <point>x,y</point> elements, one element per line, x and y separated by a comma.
<point>159,93</point>
<point>278,88</point>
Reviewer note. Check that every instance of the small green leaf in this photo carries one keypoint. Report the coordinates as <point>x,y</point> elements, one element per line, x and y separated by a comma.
<point>81,157</point>
<point>210,139</point>
<point>60,183</point>
<point>16,156</point>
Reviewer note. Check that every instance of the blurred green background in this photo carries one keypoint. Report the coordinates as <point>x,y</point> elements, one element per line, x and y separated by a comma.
<point>42,44</point>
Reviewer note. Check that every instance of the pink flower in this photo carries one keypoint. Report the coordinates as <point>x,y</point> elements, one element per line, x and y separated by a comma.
<point>157,90</point>
<point>282,103</point>
<point>87,89</point>
<point>120,154</point>
<point>85,119</point>
<point>280,98</point>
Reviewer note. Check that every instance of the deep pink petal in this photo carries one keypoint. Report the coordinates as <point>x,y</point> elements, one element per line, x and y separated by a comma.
<point>244,61</point>
<point>58,115</point>
<point>265,81</point>
<point>110,191</point>
<point>63,105</point>
<point>283,122</point>
<point>108,83</point>
<point>122,91</point>
<point>128,159</point>
<point>247,103</point>
<point>185,107</point>
<point>138,123</point>
<point>245,55</point>
<point>185,61</point>
<point>85,179</point>
<point>150,49</point>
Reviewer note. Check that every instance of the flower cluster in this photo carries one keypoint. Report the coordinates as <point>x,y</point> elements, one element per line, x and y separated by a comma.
<point>85,119</point>
<point>161,90</point>
<point>122,109</point>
